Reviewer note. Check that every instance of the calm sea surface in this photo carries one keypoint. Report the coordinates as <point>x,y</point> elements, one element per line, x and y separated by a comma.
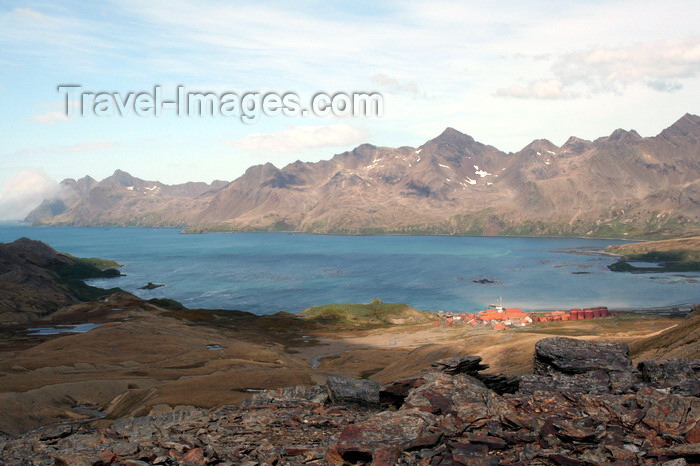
<point>269,272</point>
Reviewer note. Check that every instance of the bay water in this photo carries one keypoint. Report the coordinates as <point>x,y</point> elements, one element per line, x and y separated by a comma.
<point>266,273</point>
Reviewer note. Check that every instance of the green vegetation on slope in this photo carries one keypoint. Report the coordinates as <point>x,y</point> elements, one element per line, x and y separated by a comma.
<point>167,303</point>
<point>102,264</point>
<point>677,255</point>
<point>370,314</point>
<point>82,270</point>
<point>680,341</point>
<point>73,274</point>
<point>485,222</point>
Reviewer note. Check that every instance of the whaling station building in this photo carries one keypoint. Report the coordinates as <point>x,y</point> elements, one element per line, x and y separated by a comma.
<point>500,318</point>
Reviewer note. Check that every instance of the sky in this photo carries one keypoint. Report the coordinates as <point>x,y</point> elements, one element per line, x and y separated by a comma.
<point>504,72</point>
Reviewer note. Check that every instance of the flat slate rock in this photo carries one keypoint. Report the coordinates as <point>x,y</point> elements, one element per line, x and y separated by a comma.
<point>362,391</point>
<point>571,356</point>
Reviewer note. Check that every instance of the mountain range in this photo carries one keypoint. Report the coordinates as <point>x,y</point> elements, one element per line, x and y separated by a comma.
<point>621,185</point>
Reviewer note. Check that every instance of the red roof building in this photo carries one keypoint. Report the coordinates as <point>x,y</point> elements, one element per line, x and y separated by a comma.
<point>515,313</point>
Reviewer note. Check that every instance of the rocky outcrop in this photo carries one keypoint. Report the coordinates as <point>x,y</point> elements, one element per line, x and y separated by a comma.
<point>680,376</point>
<point>577,366</point>
<point>394,394</point>
<point>151,286</point>
<point>445,415</point>
<point>361,391</point>
<point>36,280</point>
<point>570,356</point>
<point>460,365</point>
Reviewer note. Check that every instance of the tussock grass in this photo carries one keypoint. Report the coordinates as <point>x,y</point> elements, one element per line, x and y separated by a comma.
<point>373,313</point>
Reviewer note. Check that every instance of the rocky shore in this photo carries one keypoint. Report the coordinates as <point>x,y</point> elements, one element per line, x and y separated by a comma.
<point>584,404</point>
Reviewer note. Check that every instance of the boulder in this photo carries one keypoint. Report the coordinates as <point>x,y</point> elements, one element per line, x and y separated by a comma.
<point>670,372</point>
<point>460,395</point>
<point>500,383</point>
<point>592,382</point>
<point>394,393</point>
<point>296,394</point>
<point>579,366</point>
<point>362,391</point>
<point>460,365</point>
<point>571,356</point>
<point>681,376</point>
<point>687,388</point>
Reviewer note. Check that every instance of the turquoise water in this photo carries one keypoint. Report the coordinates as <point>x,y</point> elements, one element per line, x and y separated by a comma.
<point>269,272</point>
<point>78,328</point>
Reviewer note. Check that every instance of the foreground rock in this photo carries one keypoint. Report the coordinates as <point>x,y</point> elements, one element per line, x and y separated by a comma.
<point>362,391</point>
<point>681,376</point>
<point>578,366</point>
<point>446,415</point>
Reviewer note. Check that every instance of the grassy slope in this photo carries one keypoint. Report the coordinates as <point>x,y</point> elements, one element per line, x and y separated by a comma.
<point>370,314</point>
<point>677,255</point>
<point>682,244</point>
<point>83,269</point>
<point>681,341</point>
<point>486,222</point>
<point>102,264</point>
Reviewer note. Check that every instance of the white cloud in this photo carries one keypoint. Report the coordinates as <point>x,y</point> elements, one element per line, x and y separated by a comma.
<point>300,138</point>
<point>50,118</point>
<point>24,192</point>
<point>29,13</point>
<point>55,112</point>
<point>606,69</point>
<point>90,146</point>
<point>543,89</point>
<point>396,86</point>
<point>661,66</point>
<point>87,146</point>
<point>664,86</point>
<point>466,56</point>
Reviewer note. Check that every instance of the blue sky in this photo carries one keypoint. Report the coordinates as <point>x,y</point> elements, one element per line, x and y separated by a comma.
<point>505,72</point>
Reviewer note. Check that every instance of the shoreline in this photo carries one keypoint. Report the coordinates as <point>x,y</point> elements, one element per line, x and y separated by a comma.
<point>340,234</point>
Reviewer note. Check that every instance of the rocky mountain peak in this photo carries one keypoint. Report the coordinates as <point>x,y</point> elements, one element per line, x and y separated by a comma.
<point>688,118</point>
<point>575,145</point>
<point>261,170</point>
<point>364,148</point>
<point>122,178</point>
<point>81,186</point>
<point>87,179</point>
<point>621,135</point>
<point>446,184</point>
<point>359,154</point>
<point>540,145</point>
<point>687,128</point>
<point>451,136</point>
